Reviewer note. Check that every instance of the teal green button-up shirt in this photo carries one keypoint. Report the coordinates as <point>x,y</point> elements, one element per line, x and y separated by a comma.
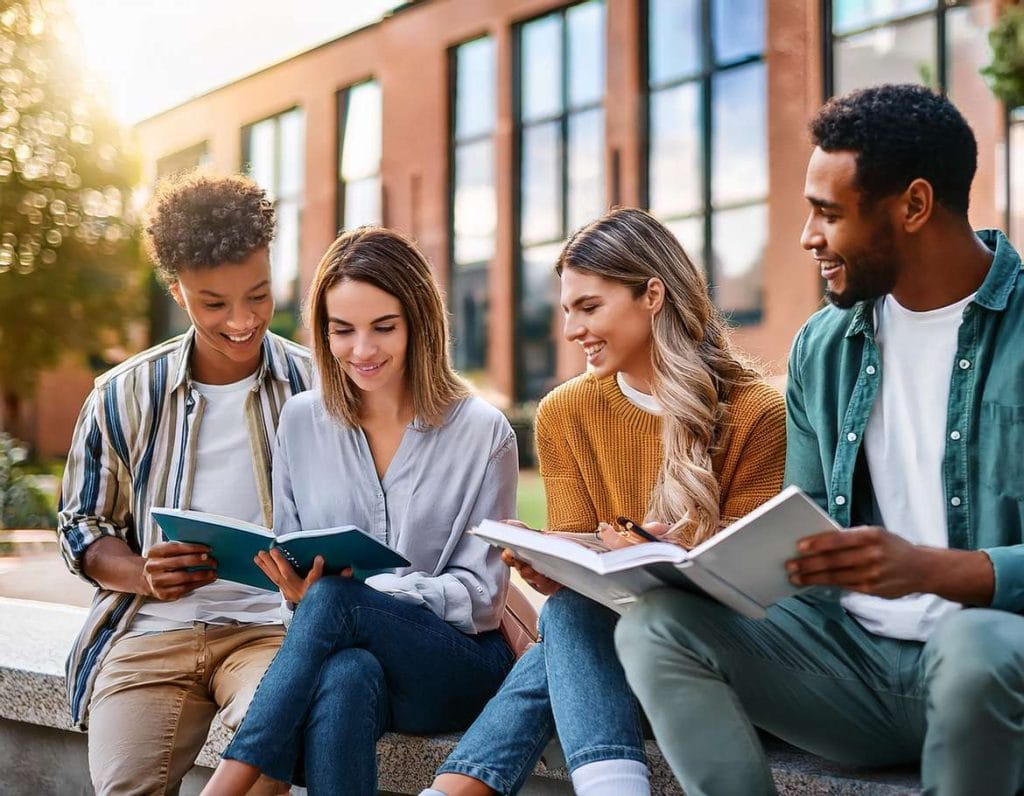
<point>834,373</point>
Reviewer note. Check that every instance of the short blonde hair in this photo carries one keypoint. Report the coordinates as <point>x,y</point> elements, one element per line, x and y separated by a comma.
<point>388,261</point>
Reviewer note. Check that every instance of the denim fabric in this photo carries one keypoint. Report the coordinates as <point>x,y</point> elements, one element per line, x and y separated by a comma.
<point>355,663</point>
<point>571,681</point>
<point>811,675</point>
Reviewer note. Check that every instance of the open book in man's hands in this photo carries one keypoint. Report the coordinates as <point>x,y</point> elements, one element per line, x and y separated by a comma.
<point>235,543</point>
<point>742,566</point>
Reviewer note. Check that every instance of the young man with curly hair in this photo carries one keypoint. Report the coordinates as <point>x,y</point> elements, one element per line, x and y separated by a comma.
<point>905,421</point>
<point>189,423</point>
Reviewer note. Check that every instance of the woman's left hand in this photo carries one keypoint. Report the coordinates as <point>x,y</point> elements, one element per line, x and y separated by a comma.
<point>276,567</point>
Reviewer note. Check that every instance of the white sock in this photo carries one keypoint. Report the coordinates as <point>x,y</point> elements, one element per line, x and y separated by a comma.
<point>431,792</point>
<point>611,778</point>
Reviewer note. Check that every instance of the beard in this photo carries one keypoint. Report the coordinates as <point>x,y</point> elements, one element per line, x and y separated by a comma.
<point>868,276</point>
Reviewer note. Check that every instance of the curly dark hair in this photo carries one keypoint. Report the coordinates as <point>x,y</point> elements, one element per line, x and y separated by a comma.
<point>202,220</point>
<point>900,133</point>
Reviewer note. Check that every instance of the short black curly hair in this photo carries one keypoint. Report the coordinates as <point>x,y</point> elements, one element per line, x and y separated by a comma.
<point>901,132</point>
<point>201,220</point>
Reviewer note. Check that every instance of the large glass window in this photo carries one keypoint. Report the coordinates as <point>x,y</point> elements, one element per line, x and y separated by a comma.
<point>473,210</point>
<point>359,147</point>
<point>273,154</point>
<point>938,43</point>
<point>560,125</point>
<point>707,166</point>
<point>166,318</point>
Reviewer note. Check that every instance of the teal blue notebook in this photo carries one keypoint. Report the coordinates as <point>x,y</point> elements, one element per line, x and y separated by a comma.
<point>235,543</point>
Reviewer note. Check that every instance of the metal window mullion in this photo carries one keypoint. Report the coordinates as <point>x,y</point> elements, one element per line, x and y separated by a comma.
<point>828,59</point>
<point>707,60</point>
<point>563,138</point>
<point>343,100</point>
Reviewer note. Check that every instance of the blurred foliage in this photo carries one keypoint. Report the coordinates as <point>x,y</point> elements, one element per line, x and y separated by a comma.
<point>70,260</point>
<point>22,505</point>
<point>1005,75</point>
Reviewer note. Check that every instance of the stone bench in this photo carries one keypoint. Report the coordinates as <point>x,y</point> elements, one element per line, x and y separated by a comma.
<point>41,754</point>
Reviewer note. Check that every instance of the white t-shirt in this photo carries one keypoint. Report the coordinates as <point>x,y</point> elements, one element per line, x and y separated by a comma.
<point>224,483</point>
<point>905,441</point>
<point>641,400</point>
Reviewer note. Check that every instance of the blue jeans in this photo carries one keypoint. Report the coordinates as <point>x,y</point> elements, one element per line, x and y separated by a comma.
<point>355,663</point>
<point>813,676</point>
<point>570,682</point>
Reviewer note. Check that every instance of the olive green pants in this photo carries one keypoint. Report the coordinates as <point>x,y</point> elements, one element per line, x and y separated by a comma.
<point>811,675</point>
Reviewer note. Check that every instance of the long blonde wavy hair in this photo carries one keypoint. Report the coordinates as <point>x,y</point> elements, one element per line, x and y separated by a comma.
<point>695,366</point>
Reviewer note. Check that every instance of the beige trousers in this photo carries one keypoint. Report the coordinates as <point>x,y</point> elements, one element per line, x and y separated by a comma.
<point>156,694</point>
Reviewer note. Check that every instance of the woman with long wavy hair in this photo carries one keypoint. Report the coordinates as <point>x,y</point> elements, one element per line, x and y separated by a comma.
<point>667,424</point>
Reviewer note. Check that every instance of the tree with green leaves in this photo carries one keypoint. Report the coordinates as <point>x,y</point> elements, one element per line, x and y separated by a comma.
<point>69,256</point>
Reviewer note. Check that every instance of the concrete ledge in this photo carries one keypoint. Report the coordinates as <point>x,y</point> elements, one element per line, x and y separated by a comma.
<point>36,736</point>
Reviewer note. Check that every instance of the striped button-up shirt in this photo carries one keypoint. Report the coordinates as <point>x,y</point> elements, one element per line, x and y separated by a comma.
<point>134,447</point>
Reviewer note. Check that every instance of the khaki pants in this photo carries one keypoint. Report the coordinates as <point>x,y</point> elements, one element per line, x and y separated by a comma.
<point>156,695</point>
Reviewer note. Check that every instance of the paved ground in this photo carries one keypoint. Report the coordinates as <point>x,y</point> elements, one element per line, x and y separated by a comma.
<point>42,576</point>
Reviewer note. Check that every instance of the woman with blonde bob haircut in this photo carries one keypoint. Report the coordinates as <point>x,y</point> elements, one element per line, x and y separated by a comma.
<point>392,442</point>
<point>668,426</point>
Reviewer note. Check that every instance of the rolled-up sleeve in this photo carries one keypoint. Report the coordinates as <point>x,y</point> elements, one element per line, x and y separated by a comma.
<point>1008,566</point>
<point>95,493</point>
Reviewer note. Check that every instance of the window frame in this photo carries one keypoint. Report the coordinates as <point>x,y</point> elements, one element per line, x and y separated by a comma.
<point>453,144</point>
<point>567,110</point>
<point>703,77</point>
<point>341,100</point>
<point>293,307</point>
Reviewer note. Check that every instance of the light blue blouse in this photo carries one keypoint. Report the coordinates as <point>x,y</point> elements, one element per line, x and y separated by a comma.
<point>441,482</point>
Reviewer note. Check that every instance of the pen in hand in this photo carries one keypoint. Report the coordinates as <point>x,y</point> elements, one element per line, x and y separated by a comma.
<point>635,527</point>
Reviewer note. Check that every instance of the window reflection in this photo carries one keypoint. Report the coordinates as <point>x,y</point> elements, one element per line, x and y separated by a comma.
<point>675,155</point>
<point>740,143</point>
<point>473,211</point>
<point>474,88</point>
<point>737,29</point>
<point>262,166</point>
<point>585,41</point>
<point>690,233</point>
<point>739,239</point>
<point>535,338</point>
<point>475,214</point>
<point>360,144</point>
<point>542,68</point>
<point>541,191</point>
<point>899,53</point>
<point>362,202</point>
<point>585,199</point>
<point>284,254</point>
<point>274,154</point>
<point>850,15</point>
<point>675,39</point>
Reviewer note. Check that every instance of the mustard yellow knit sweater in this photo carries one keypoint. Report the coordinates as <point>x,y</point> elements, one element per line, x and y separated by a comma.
<point>600,454</point>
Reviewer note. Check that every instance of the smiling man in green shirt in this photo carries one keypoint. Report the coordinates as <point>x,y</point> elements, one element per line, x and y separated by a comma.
<point>905,409</point>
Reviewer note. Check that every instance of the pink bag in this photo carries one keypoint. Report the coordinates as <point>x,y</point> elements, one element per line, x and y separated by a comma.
<point>519,622</point>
